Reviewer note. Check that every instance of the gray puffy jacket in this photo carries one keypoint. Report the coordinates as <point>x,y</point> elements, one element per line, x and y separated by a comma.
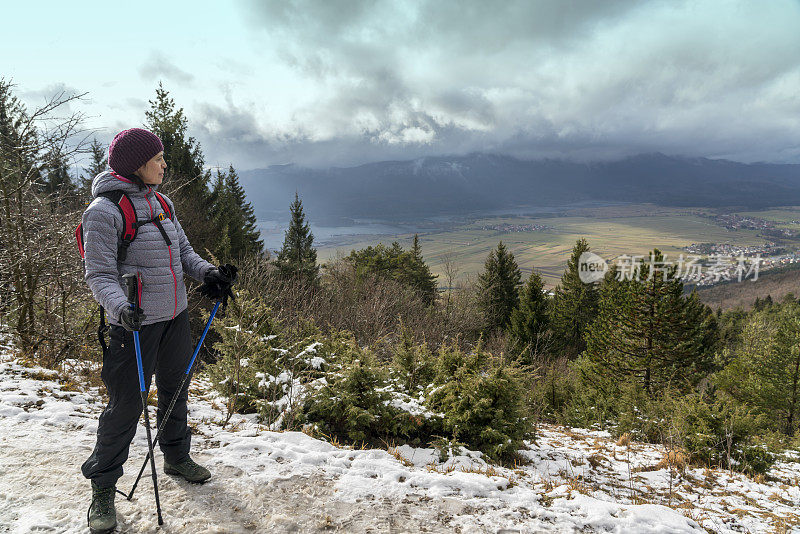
<point>161,267</point>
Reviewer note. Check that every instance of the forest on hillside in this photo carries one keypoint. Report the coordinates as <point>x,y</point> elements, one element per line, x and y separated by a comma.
<point>363,349</point>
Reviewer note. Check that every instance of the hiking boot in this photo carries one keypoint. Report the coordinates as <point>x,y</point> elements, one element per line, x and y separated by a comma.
<point>189,470</point>
<point>102,515</point>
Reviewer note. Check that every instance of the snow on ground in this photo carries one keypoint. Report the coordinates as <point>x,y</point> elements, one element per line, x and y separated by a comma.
<point>290,482</point>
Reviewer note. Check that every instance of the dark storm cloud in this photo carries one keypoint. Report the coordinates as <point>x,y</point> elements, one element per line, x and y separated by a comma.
<point>158,66</point>
<point>533,78</point>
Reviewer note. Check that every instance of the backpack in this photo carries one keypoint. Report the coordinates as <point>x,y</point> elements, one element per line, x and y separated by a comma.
<point>130,228</point>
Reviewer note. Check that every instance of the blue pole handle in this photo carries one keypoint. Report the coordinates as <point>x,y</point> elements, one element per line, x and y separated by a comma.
<point>138,358</point>
<point>205,331</point>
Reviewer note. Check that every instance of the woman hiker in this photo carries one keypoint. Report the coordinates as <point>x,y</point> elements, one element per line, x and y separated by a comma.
<point>161,255</point>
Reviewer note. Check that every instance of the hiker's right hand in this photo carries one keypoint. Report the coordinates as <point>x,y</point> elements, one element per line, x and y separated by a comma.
<point>131,319</point>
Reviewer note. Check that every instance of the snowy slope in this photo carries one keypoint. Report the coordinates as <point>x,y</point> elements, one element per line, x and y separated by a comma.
<point>289,482</point>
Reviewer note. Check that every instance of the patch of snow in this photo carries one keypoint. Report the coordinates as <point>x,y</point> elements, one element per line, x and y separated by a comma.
<point>267,481</point>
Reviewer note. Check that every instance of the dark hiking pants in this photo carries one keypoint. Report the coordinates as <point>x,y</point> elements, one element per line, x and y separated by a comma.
<point>166,350</point>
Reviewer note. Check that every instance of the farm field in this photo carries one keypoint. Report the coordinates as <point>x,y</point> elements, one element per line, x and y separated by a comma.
<point>782,217</point>
<point>611,232</point>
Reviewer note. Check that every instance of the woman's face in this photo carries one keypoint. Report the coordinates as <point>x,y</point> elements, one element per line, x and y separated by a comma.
<point>152,172</point>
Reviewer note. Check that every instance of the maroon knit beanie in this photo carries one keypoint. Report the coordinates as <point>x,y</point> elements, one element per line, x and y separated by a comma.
<point>131,149</point>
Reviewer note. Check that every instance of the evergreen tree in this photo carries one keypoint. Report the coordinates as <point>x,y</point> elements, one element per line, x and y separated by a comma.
<point>406,267</point>
<point>648,331</point>
<point>297,256</point>
<point>574,306</point>
<point>220,211</point>
<point>184,175</point>
<point>229,209</point>
<point>498,287</point>
<point>530,322</point>
<point>421,276</point>
<point>764,369</point>
<point>57,180</point>
<point>98,164</point>
<point>247,238</point>
<point>181,152</point>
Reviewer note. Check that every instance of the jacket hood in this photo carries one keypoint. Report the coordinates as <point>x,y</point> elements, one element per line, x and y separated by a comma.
<point>110,181</point>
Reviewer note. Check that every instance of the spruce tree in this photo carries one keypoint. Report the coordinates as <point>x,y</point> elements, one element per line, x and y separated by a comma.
<point>98,164</point>
<point>649,332</point>
<point>406,267</point>
<point>574,306</point>
<point>181,152</point>
<point>529,322</point>
<point>498,287</point>
<point>185,181</point>
<point>246,238</point>
<point>56,180</point>
<point>220,213</point>
<point>764,369</point>
<point>298,258</point>
<point>229,209</point>
<point>422,278</point>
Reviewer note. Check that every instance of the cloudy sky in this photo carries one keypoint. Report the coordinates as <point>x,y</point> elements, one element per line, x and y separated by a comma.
<point>320,82</point>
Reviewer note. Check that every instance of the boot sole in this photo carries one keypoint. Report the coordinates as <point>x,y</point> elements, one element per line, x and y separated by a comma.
<point>175,472</point>
<point>103,530</point>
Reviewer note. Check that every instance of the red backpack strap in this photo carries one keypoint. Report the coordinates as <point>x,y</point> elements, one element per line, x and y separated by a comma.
<point>79,238</point>
<point>164,205</point>
<point>129,222</point>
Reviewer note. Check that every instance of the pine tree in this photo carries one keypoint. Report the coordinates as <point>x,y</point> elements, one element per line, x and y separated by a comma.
<point>574,306</point>
<point>648,331</point>
<point>498,287</point>
<point>98,164</point>
<point>529,322</point>
<point>297,257</point>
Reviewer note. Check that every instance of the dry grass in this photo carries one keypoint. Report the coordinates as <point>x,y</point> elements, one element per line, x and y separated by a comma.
<point>399,457</point>
<point>443,470</point>
<point>576,484</point>
<point>624,440</point>
<point>597,460</point>
<point>676,459</point>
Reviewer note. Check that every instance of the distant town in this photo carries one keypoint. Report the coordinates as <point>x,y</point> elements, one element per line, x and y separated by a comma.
<point>733,221</point>
<point>507,228</point>
<point>770,254</point>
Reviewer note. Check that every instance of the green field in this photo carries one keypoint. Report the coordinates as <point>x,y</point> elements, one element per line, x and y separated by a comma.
<point>611,232</point>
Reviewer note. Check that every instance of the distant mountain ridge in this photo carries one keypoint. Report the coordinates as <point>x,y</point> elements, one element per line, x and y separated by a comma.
<point>444,185</point>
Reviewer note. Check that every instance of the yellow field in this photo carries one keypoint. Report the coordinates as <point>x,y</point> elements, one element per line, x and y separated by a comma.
<point>610,232</point>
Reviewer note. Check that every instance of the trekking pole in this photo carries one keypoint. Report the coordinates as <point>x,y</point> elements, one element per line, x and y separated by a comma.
<point>133,297</point>
<point>175,397</point>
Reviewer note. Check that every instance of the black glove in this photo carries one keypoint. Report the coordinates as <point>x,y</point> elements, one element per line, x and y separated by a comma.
<point>132,319</point>
<point>218,281</point>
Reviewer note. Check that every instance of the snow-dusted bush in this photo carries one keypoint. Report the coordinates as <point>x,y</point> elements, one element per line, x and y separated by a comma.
<point>354,402</point>
<point>248,336</point>
<point>719,432</point>
<point>412,363</point>
<point>483,400</point>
